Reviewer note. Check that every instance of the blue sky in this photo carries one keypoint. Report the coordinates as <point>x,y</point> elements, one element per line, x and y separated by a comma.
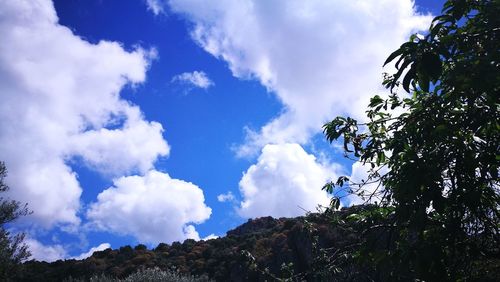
<point>147,121</point>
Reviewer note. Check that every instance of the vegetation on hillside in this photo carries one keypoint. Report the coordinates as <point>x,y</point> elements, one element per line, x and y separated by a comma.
<point>315,247</point>
<point>261,249</point>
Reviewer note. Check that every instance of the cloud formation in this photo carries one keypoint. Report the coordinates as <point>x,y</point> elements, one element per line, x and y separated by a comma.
<point>286,181</point>
<point>50,253</point>
<point>196,78</point>
<point>101,247</point>
<point>60,104</point>
<point>153,208</point>
<point>321,58</point>
<point>42,252</point>
<point>60,99</point>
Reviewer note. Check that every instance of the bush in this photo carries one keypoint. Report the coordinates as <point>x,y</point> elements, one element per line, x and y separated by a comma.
<point>156,274</point>
<point>145,275</point>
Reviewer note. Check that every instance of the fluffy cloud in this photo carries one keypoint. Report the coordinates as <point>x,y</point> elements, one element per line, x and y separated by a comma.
<point>101,247</point>
<point>196,79</point>
<point>321,58</point>
<point>153,208</point>
<point>41,252</point>
<point>286,181</point>
<point>132,147</point>
<point>60,97</point>
<point>50,253</point>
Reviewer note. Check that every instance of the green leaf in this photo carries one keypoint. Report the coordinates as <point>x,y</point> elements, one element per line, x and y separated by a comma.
<point>393,56</point>
<point>355,217</point>
<point>423,81</point>
<point>380,158</point>
<point>335,203</point>
<point>431,65</point>
<point>410,75</point>
<point>341,180</point>
<point>375,101</point>
<point>328,187</point>
<point>400,71</point>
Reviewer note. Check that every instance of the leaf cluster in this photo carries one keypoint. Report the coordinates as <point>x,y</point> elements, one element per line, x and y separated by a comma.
<point>438,147</point>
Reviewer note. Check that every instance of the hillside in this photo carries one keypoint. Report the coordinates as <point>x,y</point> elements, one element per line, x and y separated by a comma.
<point>308,248</point>
<point>243,254</point>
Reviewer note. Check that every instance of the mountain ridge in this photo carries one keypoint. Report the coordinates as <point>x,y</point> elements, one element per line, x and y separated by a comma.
<point>256,250</point>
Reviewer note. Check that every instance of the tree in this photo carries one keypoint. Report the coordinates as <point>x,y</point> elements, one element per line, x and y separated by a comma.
<point>12,249</point>
<point>440,145</point>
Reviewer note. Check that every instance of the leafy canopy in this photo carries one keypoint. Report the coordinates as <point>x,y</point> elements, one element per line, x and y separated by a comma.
<point>440,146</point>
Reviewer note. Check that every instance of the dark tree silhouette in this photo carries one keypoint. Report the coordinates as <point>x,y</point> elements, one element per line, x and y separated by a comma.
<point>440,145</point>
<point>12,249</point>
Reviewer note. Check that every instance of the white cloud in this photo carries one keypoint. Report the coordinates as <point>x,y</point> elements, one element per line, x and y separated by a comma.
<point>42,252</point>
<point>228,197</point>
<point>156,6</point>
<point>133,147</point>
<point>284,182</point>
<point>189,233</point>
<point>196,78</point>
<point>50,253</point>
<point>60,96</point>
<point>321,58</point>
<point>210,237</point>
<point>153,208</point>
<point>85,255</point>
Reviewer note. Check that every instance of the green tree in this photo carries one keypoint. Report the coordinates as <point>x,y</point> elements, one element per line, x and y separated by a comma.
<point>440,145</point>
<point>12,249</point>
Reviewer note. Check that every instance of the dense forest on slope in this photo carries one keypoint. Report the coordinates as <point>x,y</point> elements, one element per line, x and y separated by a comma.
<point>266,248</point>
<point>257,250</point>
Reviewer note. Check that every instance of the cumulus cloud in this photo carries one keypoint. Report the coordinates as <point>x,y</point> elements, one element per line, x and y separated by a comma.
<point>153,208</point>
<point>85,255</point>
<point>42,252</point>
<point>196,78</point>
<point>321,58</point>
<point>60,100</point>
<point>50,253</point>
<point>132,147</point>
<point>286,181</point>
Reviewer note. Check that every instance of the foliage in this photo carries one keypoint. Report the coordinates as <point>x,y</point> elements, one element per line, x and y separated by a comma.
<point>12,249</point>
<point>260,249</point>
<point>440,148</point>
<point>316,247</point>
<point>157,275</point>
<point>145,275</point>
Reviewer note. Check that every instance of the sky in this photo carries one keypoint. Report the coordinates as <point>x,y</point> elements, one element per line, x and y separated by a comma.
<point>148,121</point>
